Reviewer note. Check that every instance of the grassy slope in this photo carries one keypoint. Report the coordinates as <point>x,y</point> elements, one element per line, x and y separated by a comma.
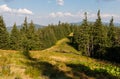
<point>58,62</point>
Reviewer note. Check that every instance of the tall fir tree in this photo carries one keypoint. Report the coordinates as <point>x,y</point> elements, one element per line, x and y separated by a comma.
<point>24,28</point>
<point>112,34</point>
<point>15,38</point>
<point>24,38</point>
<point>4,35</point>
<point>85,36</point>
<point>99,37</point>
<point>85,20</point>
<point>33,37</point>
<point>81,37</point>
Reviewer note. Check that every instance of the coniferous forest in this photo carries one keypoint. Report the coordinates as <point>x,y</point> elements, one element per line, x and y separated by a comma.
<point>93,39</point>
<point>59,39</point>
<point>90,50</point>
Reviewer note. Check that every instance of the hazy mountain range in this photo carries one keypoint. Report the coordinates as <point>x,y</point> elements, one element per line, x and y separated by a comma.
<point>19,26</point>
<point>105,23</point>
<point>76,23</point>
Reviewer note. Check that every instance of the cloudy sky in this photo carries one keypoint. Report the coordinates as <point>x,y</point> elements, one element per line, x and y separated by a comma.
<point>51,11</point>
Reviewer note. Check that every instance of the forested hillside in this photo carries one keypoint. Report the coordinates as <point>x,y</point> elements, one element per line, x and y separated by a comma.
<point>93,39</point>
<point>97,40</point>
<point>87,40</point>
<point>35,39</point>
<point>61,61</point>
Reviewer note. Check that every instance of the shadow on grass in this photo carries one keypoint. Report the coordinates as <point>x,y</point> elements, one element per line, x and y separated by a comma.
<point>46,69</point>
<point>35,68</point>
<point>77,69</point>
<point>71,43</point>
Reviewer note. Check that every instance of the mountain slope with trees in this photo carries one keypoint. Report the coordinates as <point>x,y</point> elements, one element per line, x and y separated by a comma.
<point>90,40</point>
<point>59,61</point>
<point>97,40</point>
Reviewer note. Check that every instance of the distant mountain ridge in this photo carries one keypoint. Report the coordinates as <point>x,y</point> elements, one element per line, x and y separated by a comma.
<point>20,26</point>
<point>76,23</point>
<point>105,23</point>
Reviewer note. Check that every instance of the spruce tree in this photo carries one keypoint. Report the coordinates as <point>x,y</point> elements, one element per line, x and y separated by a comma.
<point>77,38</point>
<point>48,37</point>
<point>82,37</point>
<point>39,34</point>
<point>112,34</point>
<point>15,38</point>
<point>33,37</point>
<point>4,35</point>
<point>85,21</point>
<point>24,28</point>
<point>86,35</point>
<point>31,28</point>
<point>99,37</point>
<point>24,39</point>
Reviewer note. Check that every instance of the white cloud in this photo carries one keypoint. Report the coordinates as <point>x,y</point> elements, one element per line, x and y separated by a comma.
<point>71,17</point>
<point>68,14</point>
<point>80,15</point>
<point>60,2</point>
<point>52,14</point>
<point>103,15</point>
<point>109,15</point>
<point>24,11</point>
<point>60,14</point>
<point>4,8</point>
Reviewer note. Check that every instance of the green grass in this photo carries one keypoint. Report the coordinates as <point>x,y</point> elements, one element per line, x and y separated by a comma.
<point>61,61</point>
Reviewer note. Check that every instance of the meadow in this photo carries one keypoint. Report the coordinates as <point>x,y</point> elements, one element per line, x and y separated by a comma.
<point>61,61</point>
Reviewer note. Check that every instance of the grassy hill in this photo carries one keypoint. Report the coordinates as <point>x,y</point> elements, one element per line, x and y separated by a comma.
<point>58,62</point>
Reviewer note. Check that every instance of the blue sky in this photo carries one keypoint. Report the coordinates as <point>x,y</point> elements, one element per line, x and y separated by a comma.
<point>51,11</point>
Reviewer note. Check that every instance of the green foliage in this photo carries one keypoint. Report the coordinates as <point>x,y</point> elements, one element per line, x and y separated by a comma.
<point>4,36</point>
<point>37,39</point>
<point>92,39</point>
<point>15,38</point>
<point>25,48</point>
<point>81,37</point>
<point>49,35</point>
<point>52,64</point>
<point>99,37</point>
<point>32,37</point>
<point>112,34</point>
<point>97,40</point>
<point>24,28</point>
